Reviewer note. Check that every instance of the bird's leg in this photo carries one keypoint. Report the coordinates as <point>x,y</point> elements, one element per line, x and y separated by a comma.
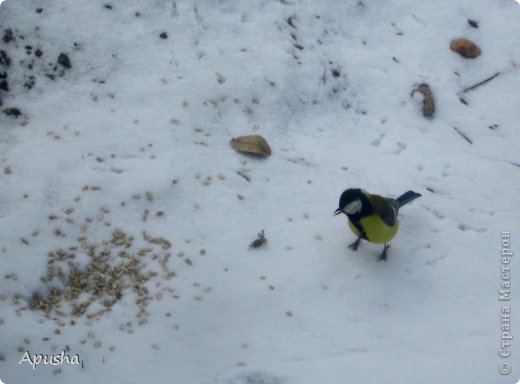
<point>354,246</point>
<point>383,255</point>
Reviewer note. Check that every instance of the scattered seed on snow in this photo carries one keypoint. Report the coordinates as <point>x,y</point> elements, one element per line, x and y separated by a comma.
<point>248,110</point>
<point>11,276</point>
<point>220,78</point>
<point>259,241</point>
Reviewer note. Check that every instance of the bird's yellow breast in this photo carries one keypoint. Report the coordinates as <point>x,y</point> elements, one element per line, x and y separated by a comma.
<point>376,230</point>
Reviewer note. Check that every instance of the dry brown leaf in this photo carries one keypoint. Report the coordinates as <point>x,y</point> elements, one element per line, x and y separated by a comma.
<point>255,144</point>
<point>465,48</point>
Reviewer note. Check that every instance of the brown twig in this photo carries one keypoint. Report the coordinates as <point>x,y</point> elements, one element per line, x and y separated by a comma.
<point>481,83</point>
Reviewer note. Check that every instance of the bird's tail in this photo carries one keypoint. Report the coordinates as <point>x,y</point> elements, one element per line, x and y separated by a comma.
<point>406,198</point>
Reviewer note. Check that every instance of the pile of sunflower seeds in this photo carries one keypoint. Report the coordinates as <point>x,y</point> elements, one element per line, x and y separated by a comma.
<point>114,269</point>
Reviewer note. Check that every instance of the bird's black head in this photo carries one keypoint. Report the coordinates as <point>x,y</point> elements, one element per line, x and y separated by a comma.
<point>352,202</point>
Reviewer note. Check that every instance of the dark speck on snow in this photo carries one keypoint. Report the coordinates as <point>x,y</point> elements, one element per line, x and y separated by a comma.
<point>15,112</point>
<point>64,60</point>
<point>8,36</point>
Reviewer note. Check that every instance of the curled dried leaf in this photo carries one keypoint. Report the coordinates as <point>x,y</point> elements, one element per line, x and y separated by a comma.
<point>465,48</point>
<point>255,144</point>
<point>428,103</point>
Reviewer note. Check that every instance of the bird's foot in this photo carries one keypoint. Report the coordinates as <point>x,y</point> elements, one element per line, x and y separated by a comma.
<point>383,255</point>
<point>354,246</point>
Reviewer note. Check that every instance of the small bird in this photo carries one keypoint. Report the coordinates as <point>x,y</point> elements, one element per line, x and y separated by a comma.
<point>372,217</point>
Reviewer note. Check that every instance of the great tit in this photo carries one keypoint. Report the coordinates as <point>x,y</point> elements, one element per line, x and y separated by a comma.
<point>372,217</point>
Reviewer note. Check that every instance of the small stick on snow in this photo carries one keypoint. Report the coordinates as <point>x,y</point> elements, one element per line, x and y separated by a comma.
<point>481,83</point>
<point>174,12</point>
<point>463,135</point>
<point>244,176</point>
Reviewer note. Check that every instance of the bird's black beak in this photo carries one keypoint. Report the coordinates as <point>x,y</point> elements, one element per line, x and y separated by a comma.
<point>337,211</point>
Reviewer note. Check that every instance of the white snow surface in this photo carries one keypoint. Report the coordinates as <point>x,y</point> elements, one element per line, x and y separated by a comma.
<point>328,85</point>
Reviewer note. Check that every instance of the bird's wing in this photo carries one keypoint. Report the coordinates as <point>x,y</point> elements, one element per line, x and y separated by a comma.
<point>384,208</point>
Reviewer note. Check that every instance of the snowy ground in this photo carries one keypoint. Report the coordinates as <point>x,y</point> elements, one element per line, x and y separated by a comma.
<point>133,141</point>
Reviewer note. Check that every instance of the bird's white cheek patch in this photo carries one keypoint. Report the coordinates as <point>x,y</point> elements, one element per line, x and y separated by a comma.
<point>353,207</point>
